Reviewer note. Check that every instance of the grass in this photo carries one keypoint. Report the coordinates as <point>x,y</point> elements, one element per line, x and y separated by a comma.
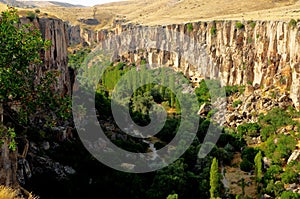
<point>9,193</point>
<point>164,12</point>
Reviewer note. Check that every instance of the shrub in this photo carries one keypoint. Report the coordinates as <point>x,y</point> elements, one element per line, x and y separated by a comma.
<point>273,172</point>
<point>290,195</point>
<point>252,24</point>
<point>249,154</point>
<point>274,188</point>
<point>289,176</point>
<point>190,27</point>
<point>250,129</point>
<point>236,103</point>
<point>37,11</point>
<point>246,165</point>
<point>229,90</point>
<point>293,23</point>
<point>239,25</point>
<point>31,15</point>
<point>213,30</point>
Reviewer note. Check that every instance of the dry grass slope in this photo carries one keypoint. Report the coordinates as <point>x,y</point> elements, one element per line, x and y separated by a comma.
<point>9,193</point>
<point>150,12</point>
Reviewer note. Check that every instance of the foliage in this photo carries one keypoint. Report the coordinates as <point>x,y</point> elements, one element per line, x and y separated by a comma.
<point>274,188</point>
<point>281,150</point>
<point>208,90</point>
<point>190,27</point>
<point>289,195</point>
<point>75,60</point>
<point>173,196</point>
<point>170,179</point>
<point>229,90</point>
<point>246,165</point>
<point>214,179</point>
<point>213,30</point>
<point>239,25</point>
<point>249,154</point>
<point>9,135</point>
<point>289,176</point>
<point>258,166</point>
<point>273,120</point>
<point>273,173</point>
<point>35,98</point>
<point>31,15</point>
<point>293,23</point>
<point>252,24</point>
<point>250,129</point>
<point>236,103</point>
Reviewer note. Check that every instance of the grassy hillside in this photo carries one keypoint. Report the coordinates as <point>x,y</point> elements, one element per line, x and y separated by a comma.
<point>151,12</point>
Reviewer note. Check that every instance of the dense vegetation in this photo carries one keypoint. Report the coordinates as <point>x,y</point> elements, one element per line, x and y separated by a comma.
<point>189,177</point>
<point>26,99</point>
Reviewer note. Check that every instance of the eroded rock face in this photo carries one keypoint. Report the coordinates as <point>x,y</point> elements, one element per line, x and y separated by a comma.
<point>261,53</point>
<point>56,57</point>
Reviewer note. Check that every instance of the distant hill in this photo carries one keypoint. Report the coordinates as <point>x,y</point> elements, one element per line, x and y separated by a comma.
<point>38,4</point>
<point>153,12</point>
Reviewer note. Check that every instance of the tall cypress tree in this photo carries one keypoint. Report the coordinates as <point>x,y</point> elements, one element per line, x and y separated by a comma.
<point>214,179</point>
<point>258,166</point>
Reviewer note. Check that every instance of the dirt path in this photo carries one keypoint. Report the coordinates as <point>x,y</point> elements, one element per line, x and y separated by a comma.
<point>234,175</point>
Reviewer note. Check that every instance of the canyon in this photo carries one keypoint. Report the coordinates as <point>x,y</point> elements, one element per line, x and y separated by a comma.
<point>259,53</point>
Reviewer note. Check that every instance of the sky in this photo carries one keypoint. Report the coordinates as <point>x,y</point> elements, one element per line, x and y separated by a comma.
<point>85,2</point>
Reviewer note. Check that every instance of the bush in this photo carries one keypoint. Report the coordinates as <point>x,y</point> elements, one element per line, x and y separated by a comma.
<point>273,172</point>
<point>250,129</point>
<point>239,25</point>
<point>213,30</point>
<point>246,165</point>
<point>290,195</point>
<point>236,103</point>
<point>249,154</point>
<point>190,27</point>
<point>31,15</point>
<point>37,11</point>
<point>293,23</point>
<point>252,24</point>
<point>289,176</point>
<point>274,188</point>
<point>229,90</point>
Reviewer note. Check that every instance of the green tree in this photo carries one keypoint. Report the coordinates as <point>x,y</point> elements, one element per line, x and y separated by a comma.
<point>258,166</point>
<point>172,179</point>
<point>214,179</point>
<point>173,196</point>
<point>172,89</point>
<point>23,97</point>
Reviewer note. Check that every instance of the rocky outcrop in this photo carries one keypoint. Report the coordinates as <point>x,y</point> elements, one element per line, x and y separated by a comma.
<point>74,35</point>
<point>55,58</point>
<point>261,53</point>
<point>252,104</point>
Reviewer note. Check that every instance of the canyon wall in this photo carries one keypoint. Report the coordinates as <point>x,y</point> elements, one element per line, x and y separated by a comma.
<point>55,58</point>
<point>261,53</point>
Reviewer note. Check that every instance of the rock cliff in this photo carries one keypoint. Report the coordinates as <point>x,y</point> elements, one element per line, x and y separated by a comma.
<point>261,53</point>
<point>56,57</point>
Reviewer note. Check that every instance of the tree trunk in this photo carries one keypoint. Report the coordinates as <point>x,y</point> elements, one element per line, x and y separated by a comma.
<point>8,165</point>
